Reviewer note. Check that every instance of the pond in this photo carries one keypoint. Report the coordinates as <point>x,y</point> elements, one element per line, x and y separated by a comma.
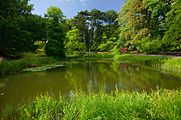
<point>86,76</point>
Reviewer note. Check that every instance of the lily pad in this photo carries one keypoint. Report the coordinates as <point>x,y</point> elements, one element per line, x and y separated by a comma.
<point>43,68</point>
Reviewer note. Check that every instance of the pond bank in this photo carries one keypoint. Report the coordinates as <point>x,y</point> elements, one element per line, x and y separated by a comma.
<point>162,104</point>
<point>166,63</point>
<point>13,66</point>
<point>170,64</point>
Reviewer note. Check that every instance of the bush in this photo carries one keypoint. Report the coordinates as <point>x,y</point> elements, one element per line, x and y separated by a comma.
<point>55,48</point>
<point>149,45</point>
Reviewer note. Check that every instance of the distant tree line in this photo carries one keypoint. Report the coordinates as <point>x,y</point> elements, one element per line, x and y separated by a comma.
<point>147,26</point>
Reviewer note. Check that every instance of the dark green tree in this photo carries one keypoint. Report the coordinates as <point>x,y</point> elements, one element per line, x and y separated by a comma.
<point>56,32</point>
<point>172,37</point>
<point>94,26</point>
<point>80,21</point>
<point>19,29</point>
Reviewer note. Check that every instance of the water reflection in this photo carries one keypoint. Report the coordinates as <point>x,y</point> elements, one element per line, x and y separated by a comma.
<point>85,76</point>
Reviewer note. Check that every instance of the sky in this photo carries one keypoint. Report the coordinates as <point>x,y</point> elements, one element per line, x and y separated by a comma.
<point>71,7</point>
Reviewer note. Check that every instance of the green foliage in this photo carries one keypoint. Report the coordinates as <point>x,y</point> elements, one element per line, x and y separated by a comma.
<point>162,104</point>
<point>93,26</point>
<point>19,29</point>
<point>43,108</point>
<point>73,43</point>
<point>172,38</point>
<point>149,45</point>
<point>150,25</point>
<point>107,44</point>
<point>56,33</point>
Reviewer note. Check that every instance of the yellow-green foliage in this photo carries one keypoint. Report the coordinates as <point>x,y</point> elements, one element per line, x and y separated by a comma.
<point>163,104</point>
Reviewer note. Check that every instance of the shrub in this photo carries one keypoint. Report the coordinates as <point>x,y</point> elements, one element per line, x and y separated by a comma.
<point>149,45</point>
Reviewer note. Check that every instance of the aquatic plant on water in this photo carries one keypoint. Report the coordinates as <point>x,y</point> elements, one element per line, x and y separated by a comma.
<point>43,68</point>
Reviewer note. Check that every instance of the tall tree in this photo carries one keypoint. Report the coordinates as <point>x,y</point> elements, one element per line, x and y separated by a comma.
<point>80,22</point>
<point>110,19</point>
<point>172,38</point>
<point>19,29</point>
<point>143,24</point>
<point>56,32</point>
<point>74,41</point>
<point>94,26</point>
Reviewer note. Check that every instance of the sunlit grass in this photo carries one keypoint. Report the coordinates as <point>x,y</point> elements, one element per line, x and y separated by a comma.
<point>141,59</point>
<point>161,104</point>
<point>173,63</point>
<point>91,56</point>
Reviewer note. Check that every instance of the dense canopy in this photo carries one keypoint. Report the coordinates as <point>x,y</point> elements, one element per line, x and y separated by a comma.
<point>149,26</point>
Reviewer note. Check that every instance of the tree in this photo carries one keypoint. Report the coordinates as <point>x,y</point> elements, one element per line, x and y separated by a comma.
<point>80,22</point>
<point>172,37</point>
<point>93,26</point>
<point>19,29</point>
<point>134,22</point>
<point>74,43</point>
<point>143,24</point>
<point>110,19</point>
<point>56,32</point>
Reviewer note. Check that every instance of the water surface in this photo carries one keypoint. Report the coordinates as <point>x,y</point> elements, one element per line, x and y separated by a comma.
<point>85,76</point>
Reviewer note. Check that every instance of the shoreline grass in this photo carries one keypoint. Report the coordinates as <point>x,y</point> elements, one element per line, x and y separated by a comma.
<point>161,104</point>
<point>13,66</point>
<point>141,59</point>
<point>90,56</point>
<point>168,64</point>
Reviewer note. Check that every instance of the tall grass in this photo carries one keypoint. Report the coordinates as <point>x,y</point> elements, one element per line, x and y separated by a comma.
<point>161,104</point>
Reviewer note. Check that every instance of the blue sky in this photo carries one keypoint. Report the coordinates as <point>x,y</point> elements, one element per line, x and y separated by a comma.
<point>71,7</point>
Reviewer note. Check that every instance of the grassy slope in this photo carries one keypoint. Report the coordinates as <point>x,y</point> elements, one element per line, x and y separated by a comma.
<point>12,66</point>
<point>156,105</point>
<point>164,63</point>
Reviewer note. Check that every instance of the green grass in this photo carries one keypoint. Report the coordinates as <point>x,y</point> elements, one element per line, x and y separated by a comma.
<point>172,63</point>
<point>141,59</point>
<point>168,64</point>
<point>162,104</point>
<point>91,56</point>
<point>12,66</point>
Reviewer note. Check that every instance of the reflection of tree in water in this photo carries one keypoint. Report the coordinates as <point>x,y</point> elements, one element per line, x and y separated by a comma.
<point>105,76</point>
<point>90,76</point>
